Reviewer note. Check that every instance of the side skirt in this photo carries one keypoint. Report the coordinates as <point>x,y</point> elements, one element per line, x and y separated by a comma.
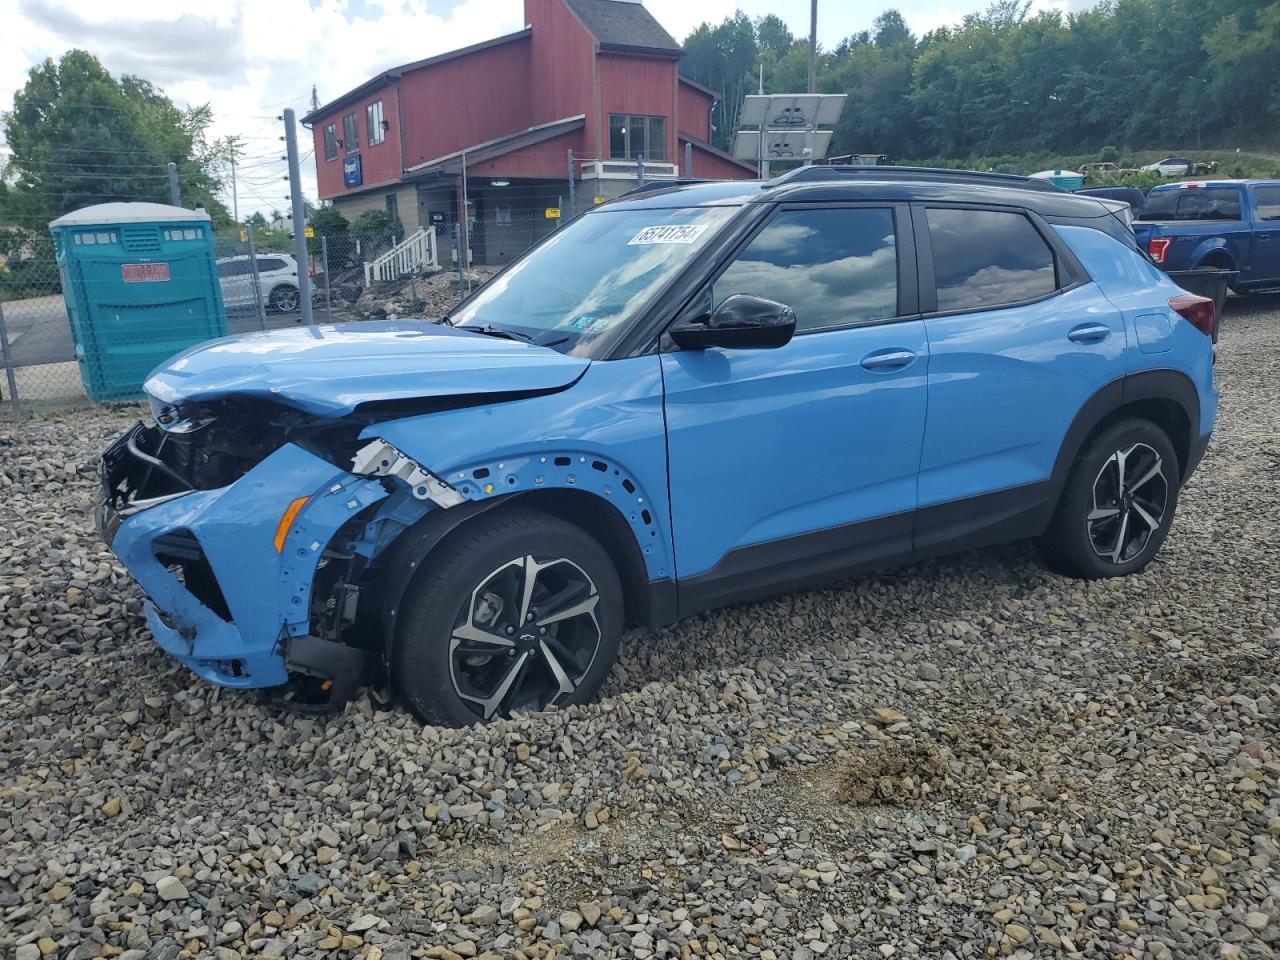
<point>776,566</point>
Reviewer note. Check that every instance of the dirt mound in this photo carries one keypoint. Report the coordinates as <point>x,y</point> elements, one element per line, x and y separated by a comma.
<point>894,773</point>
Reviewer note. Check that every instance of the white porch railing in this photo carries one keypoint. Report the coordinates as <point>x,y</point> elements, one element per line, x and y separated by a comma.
<point>414,254</point>
<point>626,170</point>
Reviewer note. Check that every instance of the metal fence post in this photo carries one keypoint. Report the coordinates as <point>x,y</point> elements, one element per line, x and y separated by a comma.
<point>328,294</point>
<point>572,207</point>
<point>8,362</point>
<point>688,161</point>
<point>299,216</point>
<point>257,285</point>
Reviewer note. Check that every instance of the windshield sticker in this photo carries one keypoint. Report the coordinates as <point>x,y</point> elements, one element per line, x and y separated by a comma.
<point>676,233</point>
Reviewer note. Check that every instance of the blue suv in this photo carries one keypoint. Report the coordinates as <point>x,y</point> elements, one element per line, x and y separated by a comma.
<point>694,395</point>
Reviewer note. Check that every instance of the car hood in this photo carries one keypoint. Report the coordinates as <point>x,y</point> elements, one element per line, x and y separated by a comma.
<point>329,370</point>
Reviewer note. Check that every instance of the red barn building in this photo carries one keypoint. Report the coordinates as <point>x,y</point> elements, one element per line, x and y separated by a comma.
<point>582,90</point>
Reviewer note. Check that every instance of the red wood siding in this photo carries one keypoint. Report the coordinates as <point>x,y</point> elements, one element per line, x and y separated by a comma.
<point>638,85</point>
<point>380,164</point>
<point>695,112</point>
<point>547,159</point>
<point>562,80</point>
<point>708,166</point>
<point>462,102</point>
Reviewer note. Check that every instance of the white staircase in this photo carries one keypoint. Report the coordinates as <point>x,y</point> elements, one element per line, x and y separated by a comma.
<point>416,253</point>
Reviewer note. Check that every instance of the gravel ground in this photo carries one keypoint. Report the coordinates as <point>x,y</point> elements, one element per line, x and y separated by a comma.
<point>967,758</point>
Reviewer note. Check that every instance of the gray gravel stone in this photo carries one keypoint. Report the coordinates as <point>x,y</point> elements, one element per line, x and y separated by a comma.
<point>967,758</point>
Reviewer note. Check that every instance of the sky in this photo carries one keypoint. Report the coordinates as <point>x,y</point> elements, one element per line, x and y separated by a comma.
<point>251,58</point>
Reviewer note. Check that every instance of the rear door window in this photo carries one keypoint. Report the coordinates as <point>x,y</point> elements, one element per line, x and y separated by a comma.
<point>988,258</point>
<point>1193,203</point>
<point>1267,199</point>
<point>270,264</point>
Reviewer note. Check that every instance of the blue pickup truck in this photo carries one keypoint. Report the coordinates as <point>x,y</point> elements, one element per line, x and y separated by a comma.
<point>1228,224</point>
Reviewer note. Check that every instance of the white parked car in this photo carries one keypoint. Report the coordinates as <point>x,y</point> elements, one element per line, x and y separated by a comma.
<point>1172,167</point>
<point>277,281</point>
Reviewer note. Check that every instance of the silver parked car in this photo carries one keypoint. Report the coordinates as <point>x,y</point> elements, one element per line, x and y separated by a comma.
<point>277,281</point>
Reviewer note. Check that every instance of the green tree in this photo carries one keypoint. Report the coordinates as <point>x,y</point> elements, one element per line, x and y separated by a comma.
<point>79,136</point>
<point>257,220</point>
<point>1006,90</point>
<point>327,222</point>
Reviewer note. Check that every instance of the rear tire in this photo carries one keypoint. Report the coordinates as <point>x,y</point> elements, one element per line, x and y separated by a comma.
<point>476,638</point>
<point>284,299</point>
<point>1118,503</point>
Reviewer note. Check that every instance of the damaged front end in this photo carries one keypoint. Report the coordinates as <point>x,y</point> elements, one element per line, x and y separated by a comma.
<point>252,529</point>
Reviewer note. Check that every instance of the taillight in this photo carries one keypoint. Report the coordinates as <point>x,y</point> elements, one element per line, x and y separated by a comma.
<point>1200,312</point>
<point>1157,246</point>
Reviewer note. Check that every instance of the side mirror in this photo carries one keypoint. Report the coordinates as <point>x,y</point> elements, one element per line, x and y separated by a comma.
<point>740,322</point>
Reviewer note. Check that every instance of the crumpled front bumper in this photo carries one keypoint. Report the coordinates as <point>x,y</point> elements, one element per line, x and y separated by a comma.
<point>235,630</point>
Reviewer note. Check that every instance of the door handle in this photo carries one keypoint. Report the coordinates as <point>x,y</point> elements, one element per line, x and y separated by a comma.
<point>886,361</point>
<point>1089,333</point>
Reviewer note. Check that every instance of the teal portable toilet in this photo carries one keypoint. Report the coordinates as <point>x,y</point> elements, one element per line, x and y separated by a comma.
<point>140,282</point>
<point>1064,179</point>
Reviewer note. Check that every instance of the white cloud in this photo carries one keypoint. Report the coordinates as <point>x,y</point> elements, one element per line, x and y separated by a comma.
<point>248,59</point>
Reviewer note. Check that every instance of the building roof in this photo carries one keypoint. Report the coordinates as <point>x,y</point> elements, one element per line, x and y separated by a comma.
<point>701,87</point>
<point>491,149</point>
<point>395,73</point>
<point>128,212</point>
<point>624,24</point>
<point>717,152</point>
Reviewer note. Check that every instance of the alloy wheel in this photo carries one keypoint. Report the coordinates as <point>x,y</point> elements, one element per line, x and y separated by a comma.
<point>526,636</point>
<point>1130,497</point>
<point>286,300</point>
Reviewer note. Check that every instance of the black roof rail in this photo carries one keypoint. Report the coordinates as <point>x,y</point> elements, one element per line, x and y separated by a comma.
<point>816,173</point>
<point>650,185</point>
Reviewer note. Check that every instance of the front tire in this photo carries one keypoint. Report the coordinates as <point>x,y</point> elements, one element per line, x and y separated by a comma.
<point>1118,503</point>
<point>519,610</point>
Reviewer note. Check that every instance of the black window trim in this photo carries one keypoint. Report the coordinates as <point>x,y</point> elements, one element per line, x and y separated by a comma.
<point>904,246</point>
<point>1069,272</point>
<point>330,136</point>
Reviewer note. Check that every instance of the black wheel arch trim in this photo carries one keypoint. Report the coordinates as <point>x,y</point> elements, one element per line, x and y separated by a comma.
<point>651,603</point>
<point>1163,385</point>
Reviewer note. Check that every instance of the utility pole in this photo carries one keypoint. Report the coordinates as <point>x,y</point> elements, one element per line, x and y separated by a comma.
<point>813,46</point>
<point>299,217</point>
<point>234,145</point>
<point>175,196</point>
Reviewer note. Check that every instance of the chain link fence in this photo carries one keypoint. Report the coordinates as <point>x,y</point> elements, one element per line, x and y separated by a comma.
<point>53,356</point>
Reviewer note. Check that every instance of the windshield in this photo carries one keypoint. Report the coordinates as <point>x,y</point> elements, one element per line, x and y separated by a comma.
<point>593,276</point>
<point>1192,203</point>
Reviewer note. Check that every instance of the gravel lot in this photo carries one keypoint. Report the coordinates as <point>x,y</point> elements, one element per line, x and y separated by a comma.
<point>967,758</point>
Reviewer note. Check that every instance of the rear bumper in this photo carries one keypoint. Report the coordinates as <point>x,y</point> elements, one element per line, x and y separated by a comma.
<point>220,598</point>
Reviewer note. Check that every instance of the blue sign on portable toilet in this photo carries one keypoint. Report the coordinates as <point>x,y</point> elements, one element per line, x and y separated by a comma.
<point>141,283</point>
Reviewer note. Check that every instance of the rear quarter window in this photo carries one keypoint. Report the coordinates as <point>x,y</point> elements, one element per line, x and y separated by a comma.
<point>987,258</point>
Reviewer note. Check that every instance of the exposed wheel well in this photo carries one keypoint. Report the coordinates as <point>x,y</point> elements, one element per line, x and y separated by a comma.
<point>1168,415</point>
<point>1217,258</point>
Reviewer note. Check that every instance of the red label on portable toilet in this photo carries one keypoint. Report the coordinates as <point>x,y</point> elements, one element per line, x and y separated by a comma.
<point>144,272</point>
